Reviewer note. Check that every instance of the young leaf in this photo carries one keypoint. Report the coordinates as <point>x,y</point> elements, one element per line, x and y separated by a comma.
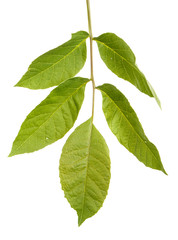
<point>57,65</point>
<point>85,170</point>
<point>124,123</point>
<point>52,118</point>
<point>120,59</point>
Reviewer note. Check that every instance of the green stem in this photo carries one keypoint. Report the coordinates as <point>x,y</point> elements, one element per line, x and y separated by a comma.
<point>91,54</point>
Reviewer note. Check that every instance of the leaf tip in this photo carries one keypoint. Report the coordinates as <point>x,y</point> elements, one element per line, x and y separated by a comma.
<point>17,85</point>
<point>159,103</point>
<point>10,154</point>
<point>79,224</point>
<point>164,172</point>
<point>80,221</point>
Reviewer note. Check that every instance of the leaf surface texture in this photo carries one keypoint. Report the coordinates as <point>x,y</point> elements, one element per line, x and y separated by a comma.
<point>85,170</point>
<point>125,125</point>
<point>52,118</point>
<point>120,59</point>
<point>57,65</point>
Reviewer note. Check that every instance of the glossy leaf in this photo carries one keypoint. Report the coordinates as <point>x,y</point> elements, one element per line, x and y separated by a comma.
<point>85,170</point>
<point>125,125</point>
<point>57,65</point>
<point>120,59</point>
<point>52,118</point>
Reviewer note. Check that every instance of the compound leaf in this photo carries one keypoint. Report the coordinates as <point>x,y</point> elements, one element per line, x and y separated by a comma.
<point>52,118</point>
<point>57,65</point>
<point>125,125</point>
<point>85,170</point>
<point>120,59</point>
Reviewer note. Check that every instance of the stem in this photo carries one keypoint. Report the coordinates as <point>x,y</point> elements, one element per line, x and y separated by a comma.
<point>91,54</point>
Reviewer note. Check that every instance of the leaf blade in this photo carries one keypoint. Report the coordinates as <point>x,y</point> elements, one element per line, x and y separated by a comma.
<point>120,59</point>
<point>52,118</point>
<point>56,65</point>
<point>125,125</point>
<point>85,170</point>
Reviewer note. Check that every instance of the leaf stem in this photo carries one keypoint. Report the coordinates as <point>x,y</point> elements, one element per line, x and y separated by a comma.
<point>91,54</point>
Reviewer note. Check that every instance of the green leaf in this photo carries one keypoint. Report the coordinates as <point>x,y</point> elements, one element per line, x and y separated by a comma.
<point>125,125</point>
<point>57,65</point>
<point>120,59</point>
<point>52,118</point>
<point>85,170</point>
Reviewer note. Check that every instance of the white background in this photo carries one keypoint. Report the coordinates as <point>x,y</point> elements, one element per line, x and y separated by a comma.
<point>142,203</point>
